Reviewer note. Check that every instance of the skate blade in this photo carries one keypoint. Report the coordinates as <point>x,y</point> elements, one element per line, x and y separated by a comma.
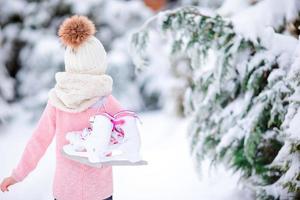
<point>124,163</point>
<point>85,161</point>
<point>67,150</point>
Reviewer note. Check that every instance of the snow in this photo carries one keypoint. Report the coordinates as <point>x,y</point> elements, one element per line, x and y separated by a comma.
<point>279,45</point>
<point>170,173</point>
<point>83,7</point>
<point>268,13</point>
<point>293,129</point>
<point>230,7</point>
<point>42,60</point>
<point>202,3</point>
<point>7,84</point>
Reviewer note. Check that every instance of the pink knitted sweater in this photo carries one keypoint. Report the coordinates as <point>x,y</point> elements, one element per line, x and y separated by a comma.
<point>72,180</point>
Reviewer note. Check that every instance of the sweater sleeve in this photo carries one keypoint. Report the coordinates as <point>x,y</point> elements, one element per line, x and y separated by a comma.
<point>37,144</point>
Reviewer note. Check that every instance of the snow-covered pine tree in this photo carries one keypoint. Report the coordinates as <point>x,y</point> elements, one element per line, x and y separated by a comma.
<point>288,158</point>
<point>238,99</point>
<point>31,50</point>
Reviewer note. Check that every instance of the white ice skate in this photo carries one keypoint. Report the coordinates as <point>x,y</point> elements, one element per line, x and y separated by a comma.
<point>111,140</point>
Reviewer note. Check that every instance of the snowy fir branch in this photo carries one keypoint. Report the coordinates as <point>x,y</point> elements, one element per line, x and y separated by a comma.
<point>243,99</point>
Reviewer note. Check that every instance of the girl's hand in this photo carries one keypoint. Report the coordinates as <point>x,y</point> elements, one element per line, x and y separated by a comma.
<point>8,181</point>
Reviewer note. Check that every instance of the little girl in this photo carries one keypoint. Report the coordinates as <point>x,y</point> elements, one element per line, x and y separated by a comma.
<point>79,92</point>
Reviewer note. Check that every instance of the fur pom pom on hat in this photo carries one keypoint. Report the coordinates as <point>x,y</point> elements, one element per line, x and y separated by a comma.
<point>75,30</point>
<point>84,52</point>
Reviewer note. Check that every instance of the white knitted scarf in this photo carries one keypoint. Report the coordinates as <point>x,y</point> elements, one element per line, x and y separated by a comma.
<point>76,92</point>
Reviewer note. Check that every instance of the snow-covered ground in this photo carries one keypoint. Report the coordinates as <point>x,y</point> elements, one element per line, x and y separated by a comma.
<point>169,175</point>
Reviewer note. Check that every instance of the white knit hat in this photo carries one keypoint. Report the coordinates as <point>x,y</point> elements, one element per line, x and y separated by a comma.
<point>84,52</point>
<point>84,80</point>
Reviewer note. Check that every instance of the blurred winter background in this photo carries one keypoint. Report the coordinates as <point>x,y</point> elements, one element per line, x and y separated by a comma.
<point>216,85</point>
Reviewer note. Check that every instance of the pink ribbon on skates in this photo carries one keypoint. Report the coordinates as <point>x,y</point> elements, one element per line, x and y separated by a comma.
<point>117,132</point>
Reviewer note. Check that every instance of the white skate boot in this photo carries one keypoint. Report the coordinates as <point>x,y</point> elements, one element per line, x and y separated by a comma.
<point>91,143</point>
<point>126,139</point>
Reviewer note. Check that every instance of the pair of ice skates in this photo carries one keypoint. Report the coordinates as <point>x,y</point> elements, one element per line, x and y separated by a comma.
<point>110,140</point>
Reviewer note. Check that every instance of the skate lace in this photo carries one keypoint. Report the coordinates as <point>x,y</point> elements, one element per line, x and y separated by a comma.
<point>118,134</point>
<point>85,133</point>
